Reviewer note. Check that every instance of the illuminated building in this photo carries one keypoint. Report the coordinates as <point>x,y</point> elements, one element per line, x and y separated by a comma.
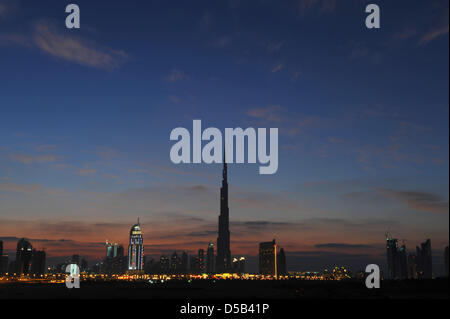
<point>136,249</point>
<point>223,259</point>
<point>238,265</point>
<point>23,256</point>
<point>268,258</point>
<point>210,259</point>
<point>340,273</point>
<point>175,263</point>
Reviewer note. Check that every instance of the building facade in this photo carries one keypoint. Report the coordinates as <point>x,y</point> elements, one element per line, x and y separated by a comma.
<point>136,249</point>
<point>268,258</point>
<point>223,259</point>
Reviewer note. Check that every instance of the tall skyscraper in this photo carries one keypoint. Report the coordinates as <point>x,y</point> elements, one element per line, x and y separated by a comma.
<point>210,259</point>
<point>223,259</point>
<point>184,262</point>
<point>38,262</point>
<point>4,263</point>
<point>391,247</point>
<point>281,260</point>
<point>424,260</point>
<point>23,256</point>
<point>397,259</point>
<point>175,263</point>
<point>1,247</point>
<point>268,258</point>
<point>136,249</point>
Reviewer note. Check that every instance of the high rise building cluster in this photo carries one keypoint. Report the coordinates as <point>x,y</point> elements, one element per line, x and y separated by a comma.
<point>28,261</point>
<point>404,265</point>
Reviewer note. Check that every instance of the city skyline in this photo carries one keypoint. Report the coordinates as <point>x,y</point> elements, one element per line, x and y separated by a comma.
<point>399,261</point>
<point>362,117</point>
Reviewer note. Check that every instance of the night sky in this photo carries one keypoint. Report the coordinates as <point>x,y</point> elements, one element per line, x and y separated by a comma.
<point>363,117</point>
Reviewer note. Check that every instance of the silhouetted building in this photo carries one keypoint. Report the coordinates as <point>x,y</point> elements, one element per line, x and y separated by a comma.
<point>84,265</point>
<point>193,265</point>
<point>238,265</point>
<point>412,267</point>
<point>4,263</point>
<point>175,263</point>
<point>281,261</point>
<point>223,259</point>
<point>424,260</point>
<point>1,247</point>
<point>210,259</point>
<point>164,264</point>
<point>268,258</point>
<point>23,256</point>
<point>75,260</point>
<point>446,261</point>
<point>38,262</point>
<point>397,260</point>
<point>136,249</point>
<point>402,263</point>
<point>184,262</point>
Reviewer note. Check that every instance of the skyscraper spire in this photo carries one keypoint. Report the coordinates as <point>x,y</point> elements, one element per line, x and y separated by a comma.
<point>223,261</point>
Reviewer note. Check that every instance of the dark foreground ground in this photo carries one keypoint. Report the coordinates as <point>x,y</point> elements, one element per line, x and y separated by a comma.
<point>232,289</point>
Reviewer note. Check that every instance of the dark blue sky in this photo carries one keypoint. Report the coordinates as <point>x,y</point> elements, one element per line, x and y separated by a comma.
<point>363,118</point>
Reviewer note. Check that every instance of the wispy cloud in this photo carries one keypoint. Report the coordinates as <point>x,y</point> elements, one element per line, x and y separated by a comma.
<point>86,171</point>
<point>267,114</point>
<point>18,188</point>
<point>176,76</point>
<point>342,245</point>
<point>45,37</point>
<point>417,200</point>
<point>31,159</point>
<point>433,34</point>
<point>74,49</point>
<point>277,68</point>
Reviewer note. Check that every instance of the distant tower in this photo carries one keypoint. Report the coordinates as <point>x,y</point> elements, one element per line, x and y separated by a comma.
<point>136,249</point>
<point>424,260</point>
<point>38,262</point>
<point>268,258</point>
<point>23,256</point>
<point>391,252</point>
<point>281,260</point>
<point>223,259</point>
<point>184,262</point>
